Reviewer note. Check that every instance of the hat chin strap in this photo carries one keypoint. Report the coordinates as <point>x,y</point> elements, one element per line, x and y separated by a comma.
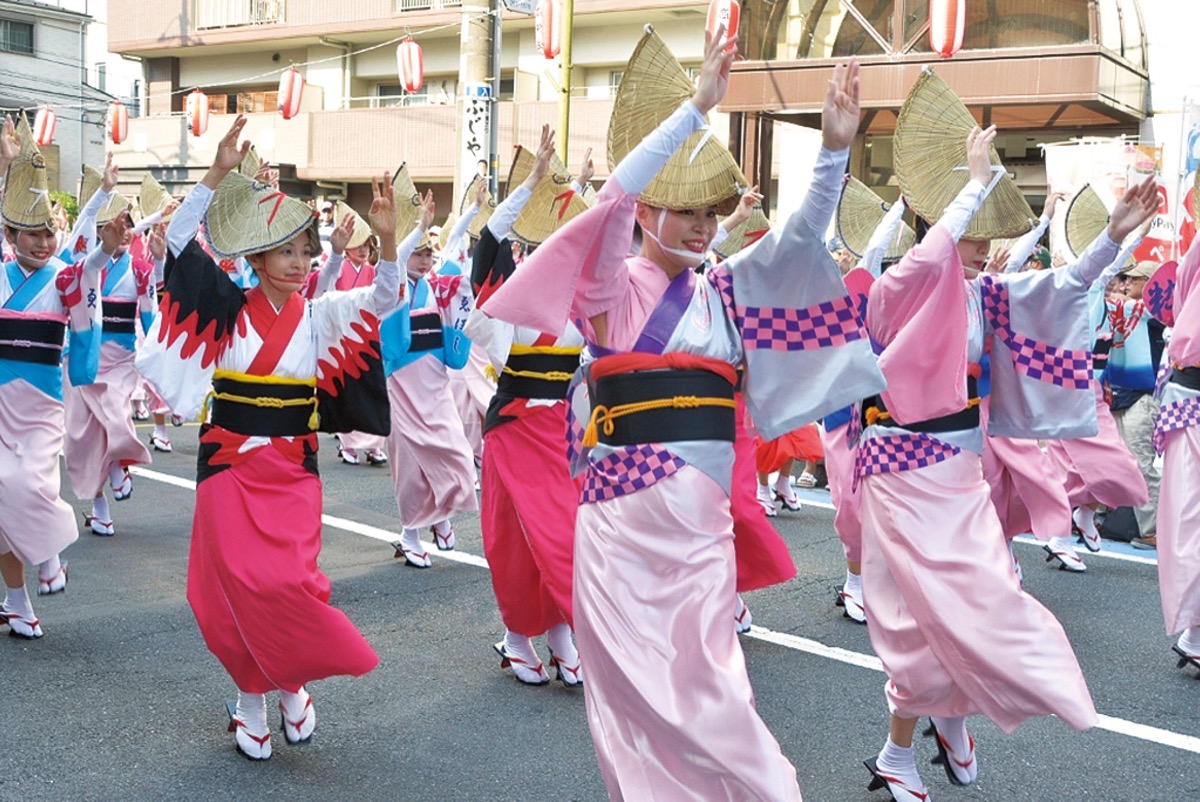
<point>25,260</point>
<point>691,258</point>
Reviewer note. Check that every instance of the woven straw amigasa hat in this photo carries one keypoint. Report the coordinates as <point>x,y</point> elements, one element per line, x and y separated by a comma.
<point>551,205</point>
<point>485,212</point>
<point>152,197</point>
<point>117,203</point>
<point>362,229</point>
<point>248,216</point>
<point>745,233</point>
<point>931,163</point>
<point>408,207</point>
<point>251,163</point>
<point>859,213</point>
<point>702,172</point>
<point>1086,216</point>
<point>26,192</point>
<point>446,227</point>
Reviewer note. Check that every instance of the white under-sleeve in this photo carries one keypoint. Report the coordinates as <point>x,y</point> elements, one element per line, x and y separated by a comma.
<point>85,223</point>
<point>185,223</point>
<point>825,189</point>
<point>502,219</point>
<point>958,214</point>
<point>328,275</point>
<point>1099,255</point>
<point>640,165</point>
<point>148,222</point>
<point>881,238</point>
<point>388,287</point>
<point>1129,246</point>
<point>1023,248</point>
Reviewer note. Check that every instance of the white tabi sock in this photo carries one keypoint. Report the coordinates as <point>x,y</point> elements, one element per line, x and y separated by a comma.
<point>954,732</point>
<point>17,601</point>
<point>442,527</point>
<point>1085,519</point>
<point>49,569</point>
<point>116,475</point>
<point>100,508</point>
<point>1189,641</point>
<point>897,759</point>
<point>160,431</point>
<point>854,583</point>
<point>562,644</point>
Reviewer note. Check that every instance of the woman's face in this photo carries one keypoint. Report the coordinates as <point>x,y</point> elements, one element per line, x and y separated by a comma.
<point>974,255</point>
<point>358,254</point>
<point>286,266</point>
<point>34,248</point>
<point>677,238</point>
<point>420,262</point>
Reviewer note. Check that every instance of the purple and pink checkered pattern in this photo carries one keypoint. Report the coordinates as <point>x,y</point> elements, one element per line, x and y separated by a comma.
<point>574,436</point>
<point>628,470</point>
<point>1062,367</point>
<point>825,325</point>
<point>720,278</point>
<point>900,452</point>
<point>1176,415</point>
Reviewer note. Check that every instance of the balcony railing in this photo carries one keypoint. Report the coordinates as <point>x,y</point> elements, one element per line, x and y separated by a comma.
<point>424,5</point>
<point>212,14</point>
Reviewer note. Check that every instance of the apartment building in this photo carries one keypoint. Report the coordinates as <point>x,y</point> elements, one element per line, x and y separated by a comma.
<point>356,119</point>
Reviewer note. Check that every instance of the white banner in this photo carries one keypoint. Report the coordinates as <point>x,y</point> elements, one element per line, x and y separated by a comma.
<point>476,132</point>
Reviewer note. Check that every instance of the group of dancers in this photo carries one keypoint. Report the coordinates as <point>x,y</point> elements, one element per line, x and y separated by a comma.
<point>610,378</point>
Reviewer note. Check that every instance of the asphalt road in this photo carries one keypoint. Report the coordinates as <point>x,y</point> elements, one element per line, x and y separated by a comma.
<point>121,700</point>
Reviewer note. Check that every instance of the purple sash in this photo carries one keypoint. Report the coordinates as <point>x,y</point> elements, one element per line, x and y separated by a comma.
<point>663,320</point>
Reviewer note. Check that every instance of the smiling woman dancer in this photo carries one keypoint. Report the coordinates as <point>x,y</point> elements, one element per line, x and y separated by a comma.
<point>253,582</point>
<point>668,697</point>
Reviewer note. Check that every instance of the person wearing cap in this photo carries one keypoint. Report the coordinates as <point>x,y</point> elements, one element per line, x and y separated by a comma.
<point>932,542</point>
<point>528,497</point>
<point>101,441</point>
<point>325,226</point>
<point>669,701</point>
<point>349,266</point>
<point>432,466</point>
<point>1133,361</point>
<point>1177,439</point>
<point>268,369</point>
<point>42,303</point>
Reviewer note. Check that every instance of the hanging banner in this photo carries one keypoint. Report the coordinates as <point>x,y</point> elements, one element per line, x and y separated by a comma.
<point>475,134</point>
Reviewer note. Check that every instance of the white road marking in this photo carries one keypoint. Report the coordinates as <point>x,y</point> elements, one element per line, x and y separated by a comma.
<point>1120,726</point>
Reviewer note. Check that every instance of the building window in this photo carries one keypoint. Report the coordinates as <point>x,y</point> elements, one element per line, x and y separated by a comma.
<point>257,102</point>
<point>16,37</point>
<point>614,81</point>
<point>102,77</point>
<point>391,95</point>
<point>234,13</point>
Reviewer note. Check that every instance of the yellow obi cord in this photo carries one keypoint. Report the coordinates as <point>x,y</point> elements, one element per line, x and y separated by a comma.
<point>550,376</point>
<point>553,350</point>
<point>603,416</point>
<point>266,402</point>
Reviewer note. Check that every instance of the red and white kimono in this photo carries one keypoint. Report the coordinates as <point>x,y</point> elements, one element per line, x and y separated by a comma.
<point>260,599</point>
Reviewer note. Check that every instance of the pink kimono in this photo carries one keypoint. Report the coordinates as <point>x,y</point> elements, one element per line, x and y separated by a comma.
<point>1177,437</point>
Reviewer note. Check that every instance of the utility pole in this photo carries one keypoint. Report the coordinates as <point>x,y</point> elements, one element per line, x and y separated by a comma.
<point>476,97</point>
<point>564,103</point>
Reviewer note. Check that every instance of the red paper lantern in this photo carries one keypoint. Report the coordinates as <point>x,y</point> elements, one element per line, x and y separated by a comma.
<point>947,20</point>
<point>197,112</point>
<point>118,122</point>
<point>291,90</point>
<point>547,27</point>
<point>43,126</point>
<point>411,62</point>
<point>724,12</point>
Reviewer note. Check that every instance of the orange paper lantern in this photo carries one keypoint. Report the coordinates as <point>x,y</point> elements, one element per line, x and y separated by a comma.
<point>197,113</point>
<point>547,27</point>
<point>724,12</point>
<point>43,126</point>
<point>291,91</point>
<point>947,20</point>
<point>411,62</point>
<point>118,122</point>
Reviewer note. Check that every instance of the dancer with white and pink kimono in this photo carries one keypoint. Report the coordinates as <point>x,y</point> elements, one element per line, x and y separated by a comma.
<point>1177,438</point>
<point>932,542</point>
<point>668,697</point>
<point>42,303</point>
<point>101,441</point>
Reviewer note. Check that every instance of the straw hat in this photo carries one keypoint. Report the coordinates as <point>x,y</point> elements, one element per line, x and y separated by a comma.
<point>408,207</point>
<point>26,192</point>
<point>859,213</point>
<point>744,234</point>
<point>485,212</point>
<point>250,164</point>
<point>362,229</point>
<point>152,197</point>
<point>117,203</point>
<point>1085,218</point>
<point>248,216</point>
<point>702,172</point>
<point>553,202</point>
<point>446,227</point>
<point>931,160</point>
